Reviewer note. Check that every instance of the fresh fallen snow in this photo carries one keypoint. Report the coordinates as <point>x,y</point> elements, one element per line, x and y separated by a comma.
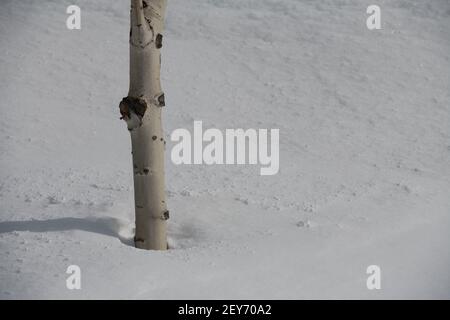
<point>364,119</point>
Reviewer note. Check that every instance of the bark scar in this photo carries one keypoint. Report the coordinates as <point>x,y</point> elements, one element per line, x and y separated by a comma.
<point>132,110</point>
<point>158,41</point>
<point>161,100</point>
<point>138,240</point>
<point>143,33</point>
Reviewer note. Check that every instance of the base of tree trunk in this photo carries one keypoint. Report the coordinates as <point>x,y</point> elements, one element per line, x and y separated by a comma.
<point>155,235</point>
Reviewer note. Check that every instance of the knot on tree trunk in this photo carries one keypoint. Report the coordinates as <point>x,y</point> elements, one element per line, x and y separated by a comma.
<point>132,111</point>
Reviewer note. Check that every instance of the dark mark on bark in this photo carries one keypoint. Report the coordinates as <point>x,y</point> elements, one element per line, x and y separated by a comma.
<point>154,137</point>
<point>128,104</point>
<point>138,240</point>
<point>161,100</point>
<point>158,41</point>
<point>166,215</point>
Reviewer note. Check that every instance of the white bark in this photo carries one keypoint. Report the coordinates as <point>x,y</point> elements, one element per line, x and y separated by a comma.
<point>141,109</point>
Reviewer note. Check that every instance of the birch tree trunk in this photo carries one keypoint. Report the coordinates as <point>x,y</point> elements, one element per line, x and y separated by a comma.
<point>141,110</point>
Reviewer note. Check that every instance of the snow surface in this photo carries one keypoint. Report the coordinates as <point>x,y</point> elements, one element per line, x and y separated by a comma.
<point>364,151</point>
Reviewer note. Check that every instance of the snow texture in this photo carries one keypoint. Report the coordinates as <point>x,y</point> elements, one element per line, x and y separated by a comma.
<point>364,119</point>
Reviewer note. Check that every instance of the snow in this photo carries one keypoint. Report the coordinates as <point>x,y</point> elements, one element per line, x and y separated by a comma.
<point>364,151</point>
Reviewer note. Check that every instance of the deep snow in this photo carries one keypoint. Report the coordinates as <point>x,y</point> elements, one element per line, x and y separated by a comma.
<point>364,151</point>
